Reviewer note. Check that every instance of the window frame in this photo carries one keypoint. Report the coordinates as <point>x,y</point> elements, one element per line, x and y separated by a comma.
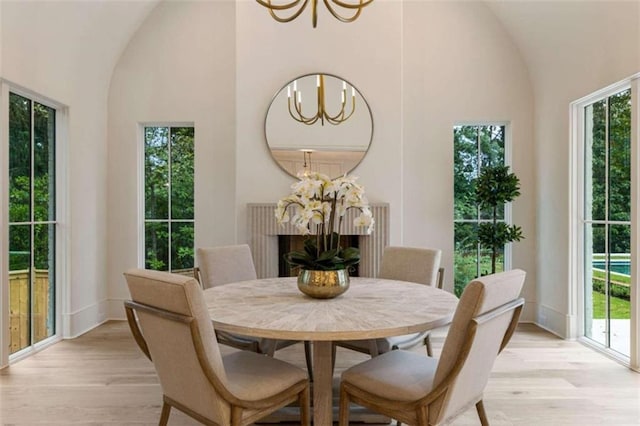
<point>577,219</point>
<point>62,261</point>
<point>142,220</point>
<point>507,255</point>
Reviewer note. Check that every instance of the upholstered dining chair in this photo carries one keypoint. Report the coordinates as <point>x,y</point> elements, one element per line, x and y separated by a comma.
<point>170,322</point>
<point>227,264</point>
<point>421,390</point>
<point>418,265</point>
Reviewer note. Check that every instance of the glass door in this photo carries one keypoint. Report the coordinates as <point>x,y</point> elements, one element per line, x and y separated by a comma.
<point>607,222</point>
<point>32,222</point>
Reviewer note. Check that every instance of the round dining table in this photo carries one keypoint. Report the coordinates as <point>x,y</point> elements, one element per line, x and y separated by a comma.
<point>371,308</point>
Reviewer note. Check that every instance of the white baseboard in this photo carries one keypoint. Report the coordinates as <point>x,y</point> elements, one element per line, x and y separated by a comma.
<point>529,312</point>
<point>85,319</point>
<point>115,309</point>
<point>554,322</point>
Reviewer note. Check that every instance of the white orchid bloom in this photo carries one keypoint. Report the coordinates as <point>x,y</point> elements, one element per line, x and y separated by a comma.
<point>282,215</point>
<point>326,210</point>
<point>303,229</point>
<point>331,188</point>
<point>366,213</point>
<point>306,214</point>
<point>365,219</point>
<point>371,224</point>
<point>354,195</point>
<point>304,189</point>
<point>318,201</point>
<point>341,209</point>
<point>313,205</point>
<point>317,218</point>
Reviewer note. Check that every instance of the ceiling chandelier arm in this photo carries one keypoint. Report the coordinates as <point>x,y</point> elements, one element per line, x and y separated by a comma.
<point>359,6</point>
<point>278,7</point>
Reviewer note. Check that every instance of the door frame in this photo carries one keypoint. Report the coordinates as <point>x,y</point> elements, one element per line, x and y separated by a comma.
<point>576,220</point>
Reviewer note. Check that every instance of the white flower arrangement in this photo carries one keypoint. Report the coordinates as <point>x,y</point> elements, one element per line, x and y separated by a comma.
<point>320,205</point>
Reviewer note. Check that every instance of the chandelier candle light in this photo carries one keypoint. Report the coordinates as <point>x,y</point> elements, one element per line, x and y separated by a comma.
<point>306,166</point>
<point>278,6</point>
<point>320,205</point>
<point>321,113</point>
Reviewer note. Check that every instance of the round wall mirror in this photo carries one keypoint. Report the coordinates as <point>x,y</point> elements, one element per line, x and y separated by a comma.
<point>319,123</point>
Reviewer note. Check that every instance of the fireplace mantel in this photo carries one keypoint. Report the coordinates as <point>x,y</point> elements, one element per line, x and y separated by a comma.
<point>264,231</point>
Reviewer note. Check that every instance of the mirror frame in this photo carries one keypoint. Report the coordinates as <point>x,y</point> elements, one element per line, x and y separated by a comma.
<point>283,88</point>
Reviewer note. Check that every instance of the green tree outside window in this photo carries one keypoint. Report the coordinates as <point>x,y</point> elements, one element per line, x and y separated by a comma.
<point>169,198</point>
<point>475,147</point>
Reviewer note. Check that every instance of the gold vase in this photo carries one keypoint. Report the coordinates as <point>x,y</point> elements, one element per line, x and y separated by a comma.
<point>323,284</point>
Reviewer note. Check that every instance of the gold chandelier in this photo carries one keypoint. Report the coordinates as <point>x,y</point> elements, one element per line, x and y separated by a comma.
<point>321,113</point>
<point>355,8</point>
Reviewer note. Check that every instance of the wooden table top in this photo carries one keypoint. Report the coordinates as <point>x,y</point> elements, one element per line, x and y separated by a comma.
<point>371,308</point>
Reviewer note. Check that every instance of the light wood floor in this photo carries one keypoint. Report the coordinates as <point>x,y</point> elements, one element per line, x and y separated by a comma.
<point>102,378</point>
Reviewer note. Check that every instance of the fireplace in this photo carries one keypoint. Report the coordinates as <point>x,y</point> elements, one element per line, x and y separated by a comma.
<point>264,231</point>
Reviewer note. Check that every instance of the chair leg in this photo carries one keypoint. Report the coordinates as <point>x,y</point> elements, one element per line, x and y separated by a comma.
<point>307,358</point>
<point>164,416</point>
<point>270,349</point>
<point>422,415</point>
<point>236,415</point>
<point>482,414</point>
<point>344,408</point>
<point>333,357</point>
<point>304,401</point>
<point>427,343</point>
<point>373,348</point>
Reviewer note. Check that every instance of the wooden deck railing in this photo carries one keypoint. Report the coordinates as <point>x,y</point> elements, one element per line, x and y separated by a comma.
<point>20,308</point>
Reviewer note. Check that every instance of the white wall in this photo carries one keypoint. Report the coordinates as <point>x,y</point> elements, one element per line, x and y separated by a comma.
<point>571,49</point>
<point>179,67</point>
<point>66,51</point>
<point>367,53</point>
<point>422,66</point>
<point>460,66</point>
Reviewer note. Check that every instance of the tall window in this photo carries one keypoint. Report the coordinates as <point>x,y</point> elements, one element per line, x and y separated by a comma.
<point>607,220</point>
<point>168,198</point>
<point>475,146</point>
<point>32,221</point>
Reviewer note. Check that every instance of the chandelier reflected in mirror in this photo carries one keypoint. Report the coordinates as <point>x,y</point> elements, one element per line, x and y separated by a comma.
<point>306,166</point>
<point>321,113</point>
<point>353,7</point>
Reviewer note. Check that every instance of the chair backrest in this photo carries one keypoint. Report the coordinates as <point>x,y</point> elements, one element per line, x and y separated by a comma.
<point>180,340</point>
<point>440,279</point>
<point>226,264</point>
<point>483,323</point>
<point>418,265</point>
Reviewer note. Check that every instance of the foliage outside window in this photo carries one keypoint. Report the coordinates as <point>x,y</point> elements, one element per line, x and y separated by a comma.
<point>475,147</point>
<point>32,221</point>
<point>169,198</point>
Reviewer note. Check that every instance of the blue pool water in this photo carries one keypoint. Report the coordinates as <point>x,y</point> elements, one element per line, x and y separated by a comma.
<point>619,266</point>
